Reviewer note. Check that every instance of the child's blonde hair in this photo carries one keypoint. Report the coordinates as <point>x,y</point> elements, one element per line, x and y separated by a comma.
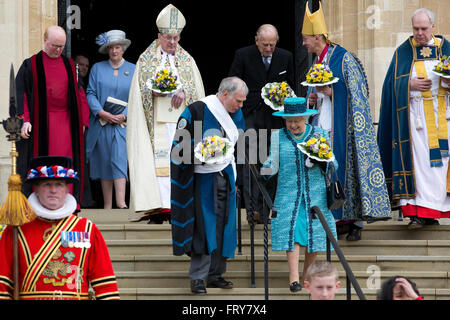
<point>321,269</point>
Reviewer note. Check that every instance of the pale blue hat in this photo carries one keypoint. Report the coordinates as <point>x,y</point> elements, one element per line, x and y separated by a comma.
<point>110,38</point>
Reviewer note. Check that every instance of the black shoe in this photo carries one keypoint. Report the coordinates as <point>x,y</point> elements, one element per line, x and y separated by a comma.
<point>342,229</point>
<point>295,286</point>
<point>354,234</point>
<point>416,223</point>
<point>220,283</point>
<point>158,218</point>
<point>198,286</point>
<point>430,222</point>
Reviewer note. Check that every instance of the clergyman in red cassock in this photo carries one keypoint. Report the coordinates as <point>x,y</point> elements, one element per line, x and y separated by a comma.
<point>54,108</point>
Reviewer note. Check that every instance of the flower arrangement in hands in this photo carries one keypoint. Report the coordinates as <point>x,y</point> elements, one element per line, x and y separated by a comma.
<point>274,94</point>
<point>443,67</point>
<point>163,82</point>
<point>319,74</point>
<point>214,149</point>
<point>317,148</point>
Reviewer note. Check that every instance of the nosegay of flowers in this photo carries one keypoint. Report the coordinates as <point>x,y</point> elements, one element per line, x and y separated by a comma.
<point>319,73</point>
<point>317,148</point>
<point>164,81</point>
<point>212,146</point>
<point>274,94</point>
<point>214,149</point>
<point>443,67</point>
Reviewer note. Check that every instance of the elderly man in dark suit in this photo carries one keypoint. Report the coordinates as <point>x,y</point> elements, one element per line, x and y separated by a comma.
<point>258,65</point>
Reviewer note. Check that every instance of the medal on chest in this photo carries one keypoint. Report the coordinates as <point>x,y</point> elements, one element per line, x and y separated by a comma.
<point>75,239</point>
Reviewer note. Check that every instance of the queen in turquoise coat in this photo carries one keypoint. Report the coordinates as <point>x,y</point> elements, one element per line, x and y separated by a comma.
<point>301,186</point>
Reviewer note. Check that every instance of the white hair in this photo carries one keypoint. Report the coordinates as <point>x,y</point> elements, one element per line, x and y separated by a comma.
<point>429,13</point>
<point>232,84</point>
<point>267,28</point>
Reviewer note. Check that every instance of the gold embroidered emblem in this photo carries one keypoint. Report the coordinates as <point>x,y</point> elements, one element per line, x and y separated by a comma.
<point>57,255</point>
<point>360,121</point>
<point>48,232</point>
<point>426,52</point>
<point>376,177</point>
<point>400,184</point>
<point>56,267</point>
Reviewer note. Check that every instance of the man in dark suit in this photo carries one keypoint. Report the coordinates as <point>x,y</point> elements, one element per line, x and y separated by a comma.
<point>258,65</point>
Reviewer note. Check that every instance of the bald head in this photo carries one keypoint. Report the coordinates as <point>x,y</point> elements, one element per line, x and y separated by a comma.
<point>267,30</point>
<point>54,41</point>
<point>266,39</point>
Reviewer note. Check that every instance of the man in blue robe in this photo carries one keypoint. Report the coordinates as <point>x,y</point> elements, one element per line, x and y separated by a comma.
<point>413,127</point>
<point>203,194</point>
<point>344,111</point>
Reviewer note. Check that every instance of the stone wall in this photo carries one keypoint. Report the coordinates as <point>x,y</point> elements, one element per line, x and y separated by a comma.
<point>22,25</point>
<point>372,29</point>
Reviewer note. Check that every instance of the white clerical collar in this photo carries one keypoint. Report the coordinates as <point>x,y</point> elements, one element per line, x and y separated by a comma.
<point>69,207</point>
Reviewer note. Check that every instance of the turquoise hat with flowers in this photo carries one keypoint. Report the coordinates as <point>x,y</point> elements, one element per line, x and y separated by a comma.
<point>295,107</point>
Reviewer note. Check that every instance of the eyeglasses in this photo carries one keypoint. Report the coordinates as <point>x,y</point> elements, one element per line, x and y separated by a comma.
<point>58,47</point>
<point>169,38</point>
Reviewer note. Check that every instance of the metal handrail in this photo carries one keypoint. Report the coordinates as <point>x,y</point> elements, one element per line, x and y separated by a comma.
<point>351,280</point>
<point>239,231</point>
<point>267,206</point>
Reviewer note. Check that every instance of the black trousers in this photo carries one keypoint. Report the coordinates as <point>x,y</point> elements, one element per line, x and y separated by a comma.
<point>211,267</point>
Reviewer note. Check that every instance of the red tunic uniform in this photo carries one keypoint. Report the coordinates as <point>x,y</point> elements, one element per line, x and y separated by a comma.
<point>50,268</point>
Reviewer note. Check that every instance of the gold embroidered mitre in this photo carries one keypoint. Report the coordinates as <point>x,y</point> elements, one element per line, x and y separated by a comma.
<point>170,20</point>
<point>314,23</point>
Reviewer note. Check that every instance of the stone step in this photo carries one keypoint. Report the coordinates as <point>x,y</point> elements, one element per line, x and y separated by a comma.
<point>101,216</point>
<point>130,263</point>
<point>362,247</point>
<point>374,231</point>
<point>277,279</point>
<point>120,216</point>
<point>400,231</point>
<point>255,294</point>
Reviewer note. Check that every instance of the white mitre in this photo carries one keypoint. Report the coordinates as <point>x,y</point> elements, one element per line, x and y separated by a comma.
<point>170,20</point>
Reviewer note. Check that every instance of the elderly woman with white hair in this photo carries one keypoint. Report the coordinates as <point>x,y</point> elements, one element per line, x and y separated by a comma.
<point>301,186</point>
<point>107,94</point>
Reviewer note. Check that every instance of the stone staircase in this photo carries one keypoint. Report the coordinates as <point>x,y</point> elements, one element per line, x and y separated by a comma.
<point>146,269</point>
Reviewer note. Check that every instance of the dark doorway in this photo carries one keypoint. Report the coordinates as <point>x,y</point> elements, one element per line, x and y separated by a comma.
<point>214,29</point>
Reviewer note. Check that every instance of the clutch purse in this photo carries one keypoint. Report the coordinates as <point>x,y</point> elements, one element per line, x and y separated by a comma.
<point>335,192</point>
<point>113,106</point>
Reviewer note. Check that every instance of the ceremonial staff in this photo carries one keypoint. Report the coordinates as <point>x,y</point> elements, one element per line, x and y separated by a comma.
<point>16,210</point>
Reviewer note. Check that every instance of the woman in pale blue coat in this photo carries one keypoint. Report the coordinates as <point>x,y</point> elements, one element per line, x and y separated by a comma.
<point>106,138</point>
<point>301,186</point>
